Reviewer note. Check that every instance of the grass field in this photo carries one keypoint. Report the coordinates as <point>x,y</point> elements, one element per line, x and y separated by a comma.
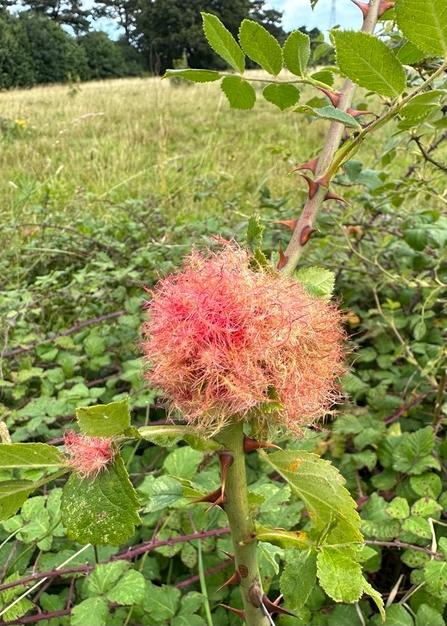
<point>180,146</point>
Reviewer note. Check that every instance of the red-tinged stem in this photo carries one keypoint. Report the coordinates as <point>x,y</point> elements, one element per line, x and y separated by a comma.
<point>332,141</point>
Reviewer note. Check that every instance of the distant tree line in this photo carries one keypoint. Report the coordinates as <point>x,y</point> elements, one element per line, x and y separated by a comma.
<point>50,41</point>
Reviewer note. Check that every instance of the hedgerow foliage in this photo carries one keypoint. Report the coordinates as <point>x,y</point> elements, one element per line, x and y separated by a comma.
<point>71,333</point>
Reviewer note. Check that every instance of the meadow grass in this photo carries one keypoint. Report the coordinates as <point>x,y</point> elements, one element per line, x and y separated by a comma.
<point>78,152</point>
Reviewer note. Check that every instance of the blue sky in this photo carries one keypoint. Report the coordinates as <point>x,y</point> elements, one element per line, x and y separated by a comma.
<point>298,13</point>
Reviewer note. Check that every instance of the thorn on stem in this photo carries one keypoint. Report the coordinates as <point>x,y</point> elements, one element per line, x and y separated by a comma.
<point>334,96</point>
<point>252,444</point>
<point>238,612</point>
<point>306,234</point>
<point>272,607</point>
<point>235,579</point>
<point>313,185</point>
<point>334,196</point>
<point>308,165</point>
<point>282,258</point>
<point>289,223</point>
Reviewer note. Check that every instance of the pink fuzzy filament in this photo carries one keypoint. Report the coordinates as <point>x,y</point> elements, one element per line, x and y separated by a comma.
<point>88,456</point>
<point>223,341</point>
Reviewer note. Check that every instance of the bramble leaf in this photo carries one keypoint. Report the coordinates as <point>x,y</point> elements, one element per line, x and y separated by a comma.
<point>321,487</point>
<point>284,96</point>
<point>261,46</point>
<point>130,589</point>
<point>298,578</point>
<point>368,62</point>
<point>296,52</point>
<point>240,94</point>
<point>196,76</point>
<point>223,42</point>
<point>424,24</point>
<point>101,511</point>
<point>104,420</point>
<point>29,455</point>
<point>93,611</point>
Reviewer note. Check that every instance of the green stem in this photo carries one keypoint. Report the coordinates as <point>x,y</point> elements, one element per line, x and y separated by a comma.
<point>242,527</point>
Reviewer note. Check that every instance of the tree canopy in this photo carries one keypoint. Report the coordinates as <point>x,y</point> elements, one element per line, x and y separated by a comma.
<point>56,40</point>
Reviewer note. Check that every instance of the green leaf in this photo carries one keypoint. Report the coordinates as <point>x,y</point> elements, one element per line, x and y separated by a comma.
<point>240,94</point>
<point>412,454</point>
<point>93,611</point>
<point>283,96</point>
<point>375,595</point>
<point>101,511</point>
<point>260,46</point>
<point>187,620</point>
<point>416,238</point>
<point>223,42</point>
<point>161,492</point>
<point>13,494</point>
<point>339,575</point>
<point>408,54</point>
<point>425,507</point>
<point>396,615</point>
<point>324,76</point>
<point>94,345</point>
<point>427,616</point>
<point>368,62</point>
<point>196,76</point>
<point>29,455</point>
<point>191,602</point>
<point>329,113</point>
<point>418,526</point>
<point>424,24</point>
<point>398,508</point>
<point>183,463</point>
<point>161,602</point>
<point>321,487</point>
<point>167,436</point>
<point>435,574</point>
<point>130,589</point>
<point>298,578</point>
<point>105,575</point>
<point>104,420</point>
<point>296,52</point>
<point>317,281</point>
<point>284,539</point>
<point>254,233</point>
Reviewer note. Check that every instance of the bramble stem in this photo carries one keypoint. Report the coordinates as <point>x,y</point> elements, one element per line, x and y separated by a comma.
<point>242,527</point>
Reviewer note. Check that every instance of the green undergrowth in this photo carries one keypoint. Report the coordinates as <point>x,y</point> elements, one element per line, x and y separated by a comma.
<point>72,289</point>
